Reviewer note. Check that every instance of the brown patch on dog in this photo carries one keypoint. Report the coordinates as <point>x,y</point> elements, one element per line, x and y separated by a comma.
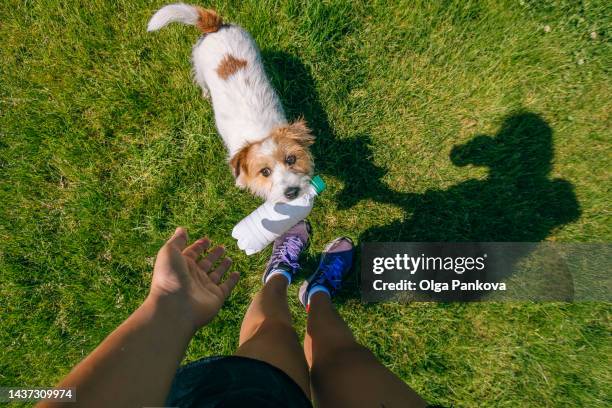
<point>290,140</point>
<point>238,162</point>
<point>253,179</point>
<point>209,21</point>
<point>298,132</point>
<point>295,140</point>
<point>229,65</point>
<point>248,164</point>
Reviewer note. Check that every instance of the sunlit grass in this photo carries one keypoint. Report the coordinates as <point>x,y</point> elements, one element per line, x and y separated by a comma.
<point>106,146</point>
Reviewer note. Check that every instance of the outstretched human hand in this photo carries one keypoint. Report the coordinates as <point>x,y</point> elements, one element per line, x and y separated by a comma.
<point>189,283</point>
<point>135,364</point>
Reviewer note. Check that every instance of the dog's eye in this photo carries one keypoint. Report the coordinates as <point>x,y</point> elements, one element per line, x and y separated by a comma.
<point>265,172</point>
<point>290,160</point>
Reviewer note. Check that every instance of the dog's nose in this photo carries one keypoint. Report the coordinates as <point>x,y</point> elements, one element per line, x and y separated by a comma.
<point>292,192</point>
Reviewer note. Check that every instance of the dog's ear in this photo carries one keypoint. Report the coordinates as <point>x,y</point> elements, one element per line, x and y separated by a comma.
<point>300,132</point>
<point>238,162</point>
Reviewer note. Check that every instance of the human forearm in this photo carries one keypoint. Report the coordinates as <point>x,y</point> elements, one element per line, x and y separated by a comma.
<point>134,365</point>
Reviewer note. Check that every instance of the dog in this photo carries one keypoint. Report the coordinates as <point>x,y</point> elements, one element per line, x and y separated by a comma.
<point>268,155</point>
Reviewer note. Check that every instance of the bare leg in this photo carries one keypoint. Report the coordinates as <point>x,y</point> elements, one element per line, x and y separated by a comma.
<point>344,373</point>
<point>267,334</point>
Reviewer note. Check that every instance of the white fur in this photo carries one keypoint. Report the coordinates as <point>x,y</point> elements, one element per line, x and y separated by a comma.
<point>243,112</point>
<point>246,106</point>
<point>281,177</point>
<point>179,12</point>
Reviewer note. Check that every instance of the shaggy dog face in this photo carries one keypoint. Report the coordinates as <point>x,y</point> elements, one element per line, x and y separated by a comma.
<point>278,167</point>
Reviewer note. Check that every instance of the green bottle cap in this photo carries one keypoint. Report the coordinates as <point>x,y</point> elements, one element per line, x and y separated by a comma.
<point>318,183</point>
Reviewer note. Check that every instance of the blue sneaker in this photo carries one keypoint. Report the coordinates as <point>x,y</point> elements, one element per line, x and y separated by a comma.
<point>335,264</point>
<point>286,251</point>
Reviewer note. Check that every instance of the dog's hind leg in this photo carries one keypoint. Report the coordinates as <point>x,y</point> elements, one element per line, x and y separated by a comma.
<point>198,77</point>
<point>205,91</point>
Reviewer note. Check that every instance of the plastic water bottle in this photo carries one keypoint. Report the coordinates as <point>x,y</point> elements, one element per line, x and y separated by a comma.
<point>271,220</point>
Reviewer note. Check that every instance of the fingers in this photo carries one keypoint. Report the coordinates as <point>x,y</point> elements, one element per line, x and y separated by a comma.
<point>223,267</point>
<point>229,283</point>
<point>179,239</point>
<point>207,262</point>
<point>194,250</point>
<point>216,275</point>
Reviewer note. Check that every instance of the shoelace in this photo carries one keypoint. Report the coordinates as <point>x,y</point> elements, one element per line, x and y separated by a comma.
<point>289,251</point>
<point>332,272</point>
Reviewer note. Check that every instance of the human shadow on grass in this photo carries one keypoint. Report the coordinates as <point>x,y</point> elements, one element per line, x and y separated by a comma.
<point>516,202</point>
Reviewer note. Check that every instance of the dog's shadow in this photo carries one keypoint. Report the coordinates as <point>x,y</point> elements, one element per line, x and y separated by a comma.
<point>517,202</point>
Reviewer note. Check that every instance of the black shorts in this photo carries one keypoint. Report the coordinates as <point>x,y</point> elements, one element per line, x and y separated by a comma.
<point>234,382</point>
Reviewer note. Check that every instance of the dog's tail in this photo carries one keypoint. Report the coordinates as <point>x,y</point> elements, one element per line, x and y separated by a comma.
<point>207,21</point>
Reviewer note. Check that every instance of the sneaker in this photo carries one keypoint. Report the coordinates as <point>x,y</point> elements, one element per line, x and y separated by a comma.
<point>287,249</point>
<point>336,262</point>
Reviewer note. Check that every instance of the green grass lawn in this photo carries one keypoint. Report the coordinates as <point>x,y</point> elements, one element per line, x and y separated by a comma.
<point>436,121</point>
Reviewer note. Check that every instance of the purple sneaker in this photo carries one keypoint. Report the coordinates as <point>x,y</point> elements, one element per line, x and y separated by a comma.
<point>286,250</point>
<point>336,262</point>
